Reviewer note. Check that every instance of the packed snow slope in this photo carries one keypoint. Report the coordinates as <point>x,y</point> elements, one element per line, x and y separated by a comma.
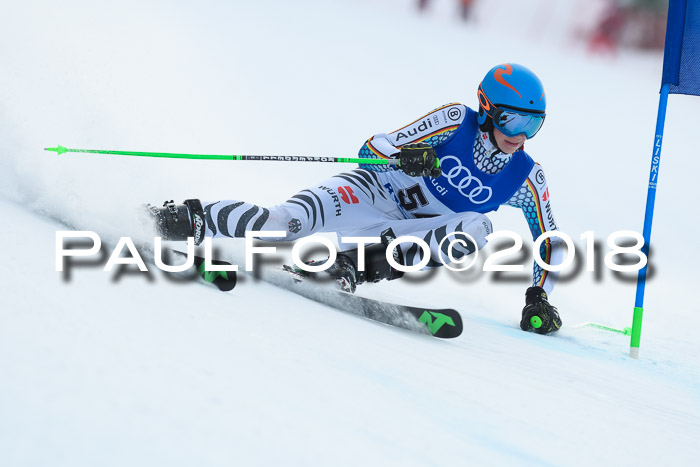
<point>130,368</point>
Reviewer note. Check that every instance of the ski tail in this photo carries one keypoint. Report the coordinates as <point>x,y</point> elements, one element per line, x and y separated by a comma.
<point>223,280</point>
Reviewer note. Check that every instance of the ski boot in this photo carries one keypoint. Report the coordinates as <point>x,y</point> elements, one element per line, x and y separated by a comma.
<point>344,270</point>
<point>179,221</point>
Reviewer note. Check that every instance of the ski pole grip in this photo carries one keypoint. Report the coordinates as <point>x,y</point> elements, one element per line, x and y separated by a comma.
<point>536,322</point>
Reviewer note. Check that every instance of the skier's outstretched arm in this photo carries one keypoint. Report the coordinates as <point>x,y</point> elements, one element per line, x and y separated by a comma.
<point>534,200</point>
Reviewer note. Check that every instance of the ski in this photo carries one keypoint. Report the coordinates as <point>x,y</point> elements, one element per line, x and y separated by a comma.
<point>444,323</point>
<point>223,280</point>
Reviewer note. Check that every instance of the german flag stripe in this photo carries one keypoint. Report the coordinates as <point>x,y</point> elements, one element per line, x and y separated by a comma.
<point>536,197</point>
<point>547,243</point>
<point>439,132</point>
<point>374,151</point>
<point>547,258</point>
<point>424,116</point>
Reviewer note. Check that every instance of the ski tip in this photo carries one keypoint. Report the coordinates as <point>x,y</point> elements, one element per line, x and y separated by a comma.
<point>445,323</point>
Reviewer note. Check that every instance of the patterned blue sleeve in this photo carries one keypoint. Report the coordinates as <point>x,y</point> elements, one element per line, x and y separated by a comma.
<point>533,199</point>
<point>367,151</point>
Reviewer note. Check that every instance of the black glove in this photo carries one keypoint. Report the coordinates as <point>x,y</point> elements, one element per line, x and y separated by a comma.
<point>538,315</point>
<point>419,160</point>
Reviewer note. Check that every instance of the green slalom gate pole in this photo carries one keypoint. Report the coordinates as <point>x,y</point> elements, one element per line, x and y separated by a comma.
<point>170,155</point>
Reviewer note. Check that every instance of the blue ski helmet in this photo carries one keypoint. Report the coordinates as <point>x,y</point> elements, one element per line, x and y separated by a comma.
<point>514,98</point>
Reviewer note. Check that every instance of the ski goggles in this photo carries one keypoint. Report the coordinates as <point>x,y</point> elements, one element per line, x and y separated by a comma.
<point>512,123</point>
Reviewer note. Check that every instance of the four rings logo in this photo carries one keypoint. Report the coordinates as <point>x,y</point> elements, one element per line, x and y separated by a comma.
<point>454,114</point>
<point>461,178</point>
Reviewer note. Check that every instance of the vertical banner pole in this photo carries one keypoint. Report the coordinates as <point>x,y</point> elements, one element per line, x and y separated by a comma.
<point>648,218</point>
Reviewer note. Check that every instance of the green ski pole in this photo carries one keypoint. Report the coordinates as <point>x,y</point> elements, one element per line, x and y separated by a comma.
<point>170,155</point>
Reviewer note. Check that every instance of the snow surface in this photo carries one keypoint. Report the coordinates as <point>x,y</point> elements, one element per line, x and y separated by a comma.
<point>133,369</point>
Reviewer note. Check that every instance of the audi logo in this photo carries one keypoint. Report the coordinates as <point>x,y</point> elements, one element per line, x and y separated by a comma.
<point>478,194</point>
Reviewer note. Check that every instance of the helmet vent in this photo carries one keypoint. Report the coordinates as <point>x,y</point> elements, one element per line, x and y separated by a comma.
<point>532,102</point>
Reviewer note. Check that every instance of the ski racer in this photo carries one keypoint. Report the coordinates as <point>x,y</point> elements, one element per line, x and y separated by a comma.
<point>456,165</point>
